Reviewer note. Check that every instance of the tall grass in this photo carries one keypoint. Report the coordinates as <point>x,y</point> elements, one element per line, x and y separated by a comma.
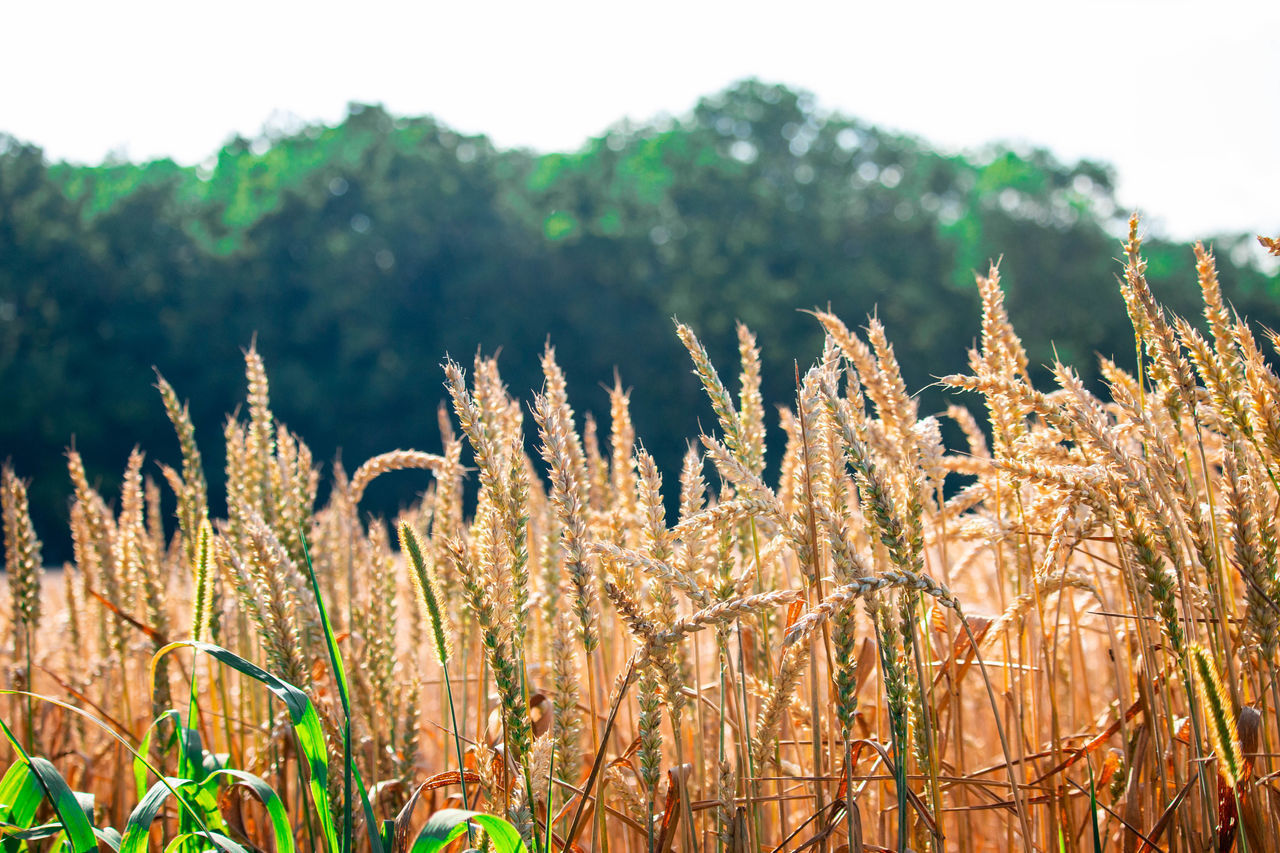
<point>1061,636</point>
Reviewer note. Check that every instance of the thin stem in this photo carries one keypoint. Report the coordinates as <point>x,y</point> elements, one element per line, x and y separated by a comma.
<point>457,746</point>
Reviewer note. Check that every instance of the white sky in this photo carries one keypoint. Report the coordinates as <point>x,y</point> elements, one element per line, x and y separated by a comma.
<point>1182,97</point>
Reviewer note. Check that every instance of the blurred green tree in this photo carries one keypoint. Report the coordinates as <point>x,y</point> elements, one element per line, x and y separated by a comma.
<point>361,254</point>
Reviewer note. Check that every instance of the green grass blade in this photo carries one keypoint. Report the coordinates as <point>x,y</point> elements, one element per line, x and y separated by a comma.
<point>302,715</point>
<point>340,676</point>
<point>140,767</point>
<point>222,842</point>
<point>137,829</point>
<point>335,655</point>
<point>108,836</point>
<point>1093,812</point>
<point>20,796</point>
<point>34,833</point>
<point>71,815</point>
<point>75,821</point>
<point>447,825</point>
<point>367,803</point>
<point>280,828</point>
<point>14,836</point>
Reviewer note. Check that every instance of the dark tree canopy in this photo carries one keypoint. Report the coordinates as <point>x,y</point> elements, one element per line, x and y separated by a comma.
<point>360,255</point>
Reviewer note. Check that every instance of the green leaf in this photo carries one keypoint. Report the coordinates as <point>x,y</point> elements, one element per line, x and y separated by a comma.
<point>344,692</point>
<point>1093,812</point>
<point>446,825</point>
<point>137,829</point>
<point>184,841</point>
<point>302,715</point>
<point>71,814</point>
<point>44,830</point>
<point>75,821</point>
<point>20,796</point>
<point>275,807</point>
<point>108,836</point>
<point>140,766</point>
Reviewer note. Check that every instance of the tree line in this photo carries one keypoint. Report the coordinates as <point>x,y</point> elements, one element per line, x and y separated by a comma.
<point>359,255</point>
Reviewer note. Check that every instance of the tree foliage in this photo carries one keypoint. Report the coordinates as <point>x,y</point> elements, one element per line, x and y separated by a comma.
<point>360,254</point>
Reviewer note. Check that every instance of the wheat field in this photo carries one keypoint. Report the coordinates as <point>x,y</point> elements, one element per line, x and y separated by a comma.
<point>1060,636</point>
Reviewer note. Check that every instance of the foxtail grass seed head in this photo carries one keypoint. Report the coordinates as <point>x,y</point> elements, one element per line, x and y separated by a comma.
<point>427,588</point>
<point>1215,703</point>
<point>202,581</point>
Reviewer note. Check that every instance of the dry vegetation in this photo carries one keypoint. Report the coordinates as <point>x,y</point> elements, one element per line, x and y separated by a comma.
<point>1062,637</point>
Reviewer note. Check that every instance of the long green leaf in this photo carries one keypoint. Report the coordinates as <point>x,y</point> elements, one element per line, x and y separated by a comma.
<point>220,841</point>
<point>71,815</point>
<point>340,676</point>
<point>12,835</point>
<point>75,821</point>
<point>20,796</point>
<point>1093,812</point>
<point>35,833</point>
<point>270,799</point>
<point>137,830</point>
<point>447,825</point>
<point>302,715</point>
<point>108,835</point>
<point>140,767</point>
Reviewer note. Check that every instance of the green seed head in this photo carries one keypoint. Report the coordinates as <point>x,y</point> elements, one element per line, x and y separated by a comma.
<point>1216,704</point>
<point>428,589</point>
<point>203,581</point>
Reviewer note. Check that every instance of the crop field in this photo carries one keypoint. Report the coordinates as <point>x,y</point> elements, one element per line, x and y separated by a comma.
<point>1059,635</point>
